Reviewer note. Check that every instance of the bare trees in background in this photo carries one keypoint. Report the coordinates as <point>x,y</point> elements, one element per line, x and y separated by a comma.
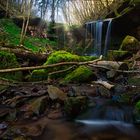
<point>86,10</point>
<point>26,8</point>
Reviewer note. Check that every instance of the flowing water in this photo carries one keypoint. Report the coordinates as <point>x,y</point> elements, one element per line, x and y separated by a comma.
<point>95,29</point>
<point>108,37</point>
<point>101,122</point>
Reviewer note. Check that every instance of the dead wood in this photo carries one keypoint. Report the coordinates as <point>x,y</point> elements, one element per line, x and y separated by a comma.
<point>49,66</point>
<point>26,54</point>
<point>105,84</point>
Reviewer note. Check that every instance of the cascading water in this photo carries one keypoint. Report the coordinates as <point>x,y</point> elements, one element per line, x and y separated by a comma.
<point>98,37</point>
<point>108,37</point>
<point>96,30</point>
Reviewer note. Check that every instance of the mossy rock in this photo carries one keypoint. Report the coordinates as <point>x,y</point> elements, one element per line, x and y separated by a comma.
<point>57,57</point>
<point>73,106</point>
<point>38,75</point>
<point>130,44</point>
<point>8,60</point>
<point>81,74</point>
<point>117,55</point>
<point>135,80</point>
<point>63,56</point>
<point>137,112</point>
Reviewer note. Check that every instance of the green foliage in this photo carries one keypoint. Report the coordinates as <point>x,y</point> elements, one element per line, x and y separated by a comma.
<point>13,36</point>
<point>8,60</point>
<point>81,74</point>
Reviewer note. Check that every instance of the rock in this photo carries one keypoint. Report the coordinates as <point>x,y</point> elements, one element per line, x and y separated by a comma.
<point>81,74</point>
<point>135,80</point>
<point>35,106</point>
<point>3,126</point>
<point>56,114</point>
<point>130,44</point>
<point>73,106</point>
<point>56,93</point>
<point>38,75</point>
<point>9,60</point>
<point>118,55</point>
<point>21,138</point>
<point>104,92</point>
<point>137,112</point>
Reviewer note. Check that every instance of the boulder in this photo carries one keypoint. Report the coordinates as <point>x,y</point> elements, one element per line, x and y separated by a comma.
<point>9,60</point>
<point>73,106</point>
<point>118,55</point>
<point>81,74</point>
<point>130,44</point>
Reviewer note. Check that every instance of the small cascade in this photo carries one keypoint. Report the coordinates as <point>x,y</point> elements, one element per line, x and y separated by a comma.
<point>98,37</point>
<point>108,37</point>
<point>96,30</point>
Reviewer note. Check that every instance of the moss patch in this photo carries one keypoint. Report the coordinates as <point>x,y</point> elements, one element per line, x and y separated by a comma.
<point>8,60</point>
<point>134,80</point>
<point>130,44</point>
<point>57,57</point>
<point>117,55</point>
<point>38,75</point>
<point>81,74</point>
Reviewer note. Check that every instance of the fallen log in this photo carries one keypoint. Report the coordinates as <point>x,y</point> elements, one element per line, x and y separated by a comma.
<point>26,54</point>
<point>48,66</point>
<point>111,67</point>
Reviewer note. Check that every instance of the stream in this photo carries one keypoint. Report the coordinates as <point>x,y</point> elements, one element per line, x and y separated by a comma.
<point>103,122</point>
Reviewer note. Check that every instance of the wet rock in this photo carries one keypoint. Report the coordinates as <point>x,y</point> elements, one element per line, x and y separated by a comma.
<point>137,112</point>
<point>3,126</point>
<point>21,138</point>
<point>73,106</point>
<point>56,93</point>
<point>35,106</point>
<point>56,114</point>
<point>117,55</point>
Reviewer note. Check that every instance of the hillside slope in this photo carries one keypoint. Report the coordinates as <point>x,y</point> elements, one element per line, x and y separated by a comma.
<point>10,34</point>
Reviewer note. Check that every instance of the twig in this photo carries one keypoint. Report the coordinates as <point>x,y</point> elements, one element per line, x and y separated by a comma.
<point>61,71</point>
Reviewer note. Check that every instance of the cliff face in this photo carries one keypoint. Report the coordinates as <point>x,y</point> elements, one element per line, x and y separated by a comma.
<point>127,21</point>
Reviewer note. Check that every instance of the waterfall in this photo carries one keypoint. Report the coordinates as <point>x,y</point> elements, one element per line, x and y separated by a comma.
<point>98,37</point>
<point>108,36</point>
<point>96,30</point>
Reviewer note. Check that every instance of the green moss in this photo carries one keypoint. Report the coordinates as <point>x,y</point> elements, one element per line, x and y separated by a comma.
<point>134,81</point>
<point>130,44</point>
<point>137,106</point>
<point>38,75</point>
<point>57,57</point>
<point>81,74</point>
<point>117,54</point>
<point>8,60</point>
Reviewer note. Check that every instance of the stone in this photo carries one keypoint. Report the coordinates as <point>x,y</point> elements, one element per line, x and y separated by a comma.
<point>56,93</point>
<point>73,106</point>
<point>130,44</point>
